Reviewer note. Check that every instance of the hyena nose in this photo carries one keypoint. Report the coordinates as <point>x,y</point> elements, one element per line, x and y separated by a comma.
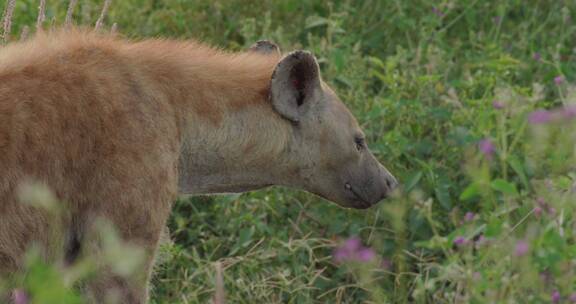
<point>387,183</point>
<point>391,182</point>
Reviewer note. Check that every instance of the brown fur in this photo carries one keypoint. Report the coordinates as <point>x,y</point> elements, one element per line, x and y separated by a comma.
<point>101,121</point>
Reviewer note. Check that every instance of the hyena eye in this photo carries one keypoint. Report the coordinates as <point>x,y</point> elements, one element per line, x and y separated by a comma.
<point>360,143</point>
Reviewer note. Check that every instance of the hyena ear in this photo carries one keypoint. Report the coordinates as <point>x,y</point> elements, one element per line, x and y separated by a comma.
<point>265,47</point>
<point>295,85</point>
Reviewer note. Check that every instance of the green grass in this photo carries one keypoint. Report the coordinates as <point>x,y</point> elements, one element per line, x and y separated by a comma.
<point>421,78</point>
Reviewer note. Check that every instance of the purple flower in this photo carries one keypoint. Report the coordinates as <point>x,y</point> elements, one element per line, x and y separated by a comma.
<point>352,250</point>
<point>352,244</point>
<point>544,206</point>
<point>539,117</point>
<point>459,241</point>
<point>573,297</point>
<point>365,255</point>
<point>19,296</point>
<point>469,216</point>
<point>569,112</point>
<point>558,80</point>
<point>541,202</point>
<point>486,147</point>
<point>498,105</point>
<point>497,19</point>
<point>537,56</point>
<point>555,296</point>
<point>348,248</point>
<point>538,211</point>
<point>521,248</point>
<point>545,116</point>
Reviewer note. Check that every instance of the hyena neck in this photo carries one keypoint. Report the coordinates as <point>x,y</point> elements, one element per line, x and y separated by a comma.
<point>232,140</point>
<point>244,152</point>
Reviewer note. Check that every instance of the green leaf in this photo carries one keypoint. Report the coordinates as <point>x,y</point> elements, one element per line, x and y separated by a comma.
<point>244,239</point>
<point>376,61</point>
<point>504,187</point>
<point>47,285</point>
<point>517,166</point>
<point>436,242</point>
<point>315,21</point>
<point>564,183</point>
<point>338,59</point>
<point>246,236</point>
<point>443,193</point>
<point>494,227</point>
<point>412,181</point>
<point>471,191</point>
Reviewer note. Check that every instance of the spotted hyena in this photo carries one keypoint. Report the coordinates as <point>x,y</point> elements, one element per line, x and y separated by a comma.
<point>118,129</point>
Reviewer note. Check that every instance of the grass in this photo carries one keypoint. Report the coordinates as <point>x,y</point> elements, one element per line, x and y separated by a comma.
<point>428,80</point>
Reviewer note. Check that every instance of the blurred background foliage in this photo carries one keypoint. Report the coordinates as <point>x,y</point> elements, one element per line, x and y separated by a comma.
<point>427,80</point>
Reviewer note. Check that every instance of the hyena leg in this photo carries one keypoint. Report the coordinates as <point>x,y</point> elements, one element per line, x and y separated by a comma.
<point>135,198</point>
<point>110,287</point>
<point>115,285</point>
<point>137,216</point>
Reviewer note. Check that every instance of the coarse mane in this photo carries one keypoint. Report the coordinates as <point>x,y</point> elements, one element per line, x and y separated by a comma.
<point>218,78</point>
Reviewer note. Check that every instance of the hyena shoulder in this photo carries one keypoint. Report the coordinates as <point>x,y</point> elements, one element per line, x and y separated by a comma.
<point>75,111</point>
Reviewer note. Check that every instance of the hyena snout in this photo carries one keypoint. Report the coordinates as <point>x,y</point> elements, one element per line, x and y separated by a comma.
<point>372,188</point>
<point>389,182</point>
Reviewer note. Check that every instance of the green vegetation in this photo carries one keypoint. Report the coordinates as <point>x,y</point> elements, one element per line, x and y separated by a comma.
<point>448,94</point>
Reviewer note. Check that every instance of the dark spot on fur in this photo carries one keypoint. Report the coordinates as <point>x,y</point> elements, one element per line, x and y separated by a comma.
<point>73,247</point>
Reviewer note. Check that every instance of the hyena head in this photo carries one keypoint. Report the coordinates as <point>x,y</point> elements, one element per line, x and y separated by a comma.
<point>329,155</point>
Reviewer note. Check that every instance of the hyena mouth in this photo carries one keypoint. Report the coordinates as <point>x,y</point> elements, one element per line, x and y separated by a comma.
<point>360,202</point>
